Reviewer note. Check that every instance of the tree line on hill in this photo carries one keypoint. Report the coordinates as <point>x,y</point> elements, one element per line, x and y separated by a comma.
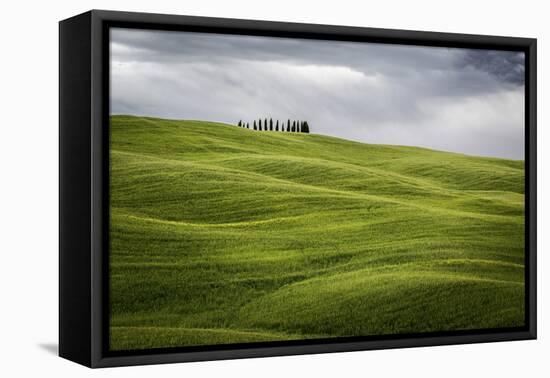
<point>265,125</point>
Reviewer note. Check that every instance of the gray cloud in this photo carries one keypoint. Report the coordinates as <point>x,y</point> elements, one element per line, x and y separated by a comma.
<point>507,66</point>
<point>468,101</point>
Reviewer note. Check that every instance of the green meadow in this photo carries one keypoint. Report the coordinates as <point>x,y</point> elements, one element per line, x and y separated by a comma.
<point>220,234</point>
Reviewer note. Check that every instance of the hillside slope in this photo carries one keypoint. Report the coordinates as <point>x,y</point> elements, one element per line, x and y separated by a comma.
<point>221,234</point>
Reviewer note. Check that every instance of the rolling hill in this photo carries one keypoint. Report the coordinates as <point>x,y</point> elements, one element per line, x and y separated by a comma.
<point>225,235</point>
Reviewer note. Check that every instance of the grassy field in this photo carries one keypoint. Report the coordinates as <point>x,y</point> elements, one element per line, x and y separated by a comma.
<point>225,235</point>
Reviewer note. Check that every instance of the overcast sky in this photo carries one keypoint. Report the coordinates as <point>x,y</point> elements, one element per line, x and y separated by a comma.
<point>461,100</point>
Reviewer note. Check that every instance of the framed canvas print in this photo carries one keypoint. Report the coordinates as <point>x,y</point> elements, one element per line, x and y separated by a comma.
<point>235,188</point>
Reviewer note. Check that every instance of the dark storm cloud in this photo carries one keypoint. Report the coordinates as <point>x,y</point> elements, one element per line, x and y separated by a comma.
<point>453,99</point>
<point>506,66</point>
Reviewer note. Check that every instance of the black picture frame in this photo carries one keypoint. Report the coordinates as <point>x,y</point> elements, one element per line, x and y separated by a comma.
<point>84,189</point>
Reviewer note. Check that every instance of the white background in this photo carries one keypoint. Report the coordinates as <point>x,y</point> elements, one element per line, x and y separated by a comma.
<point>29,186</point>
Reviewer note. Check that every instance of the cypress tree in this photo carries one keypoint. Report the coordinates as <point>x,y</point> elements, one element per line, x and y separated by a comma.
<point>293,126</point>
<point>288,126</point>
<point>240,123</point>
<point>247,126</point>
<point>277,126</point>
<point>306,127</point>
<point>255,126</point>
<point>266,127</point>
<point>271,124</point>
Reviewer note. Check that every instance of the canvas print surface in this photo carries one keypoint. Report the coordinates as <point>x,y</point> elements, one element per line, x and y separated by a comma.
<point>270,189</point>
